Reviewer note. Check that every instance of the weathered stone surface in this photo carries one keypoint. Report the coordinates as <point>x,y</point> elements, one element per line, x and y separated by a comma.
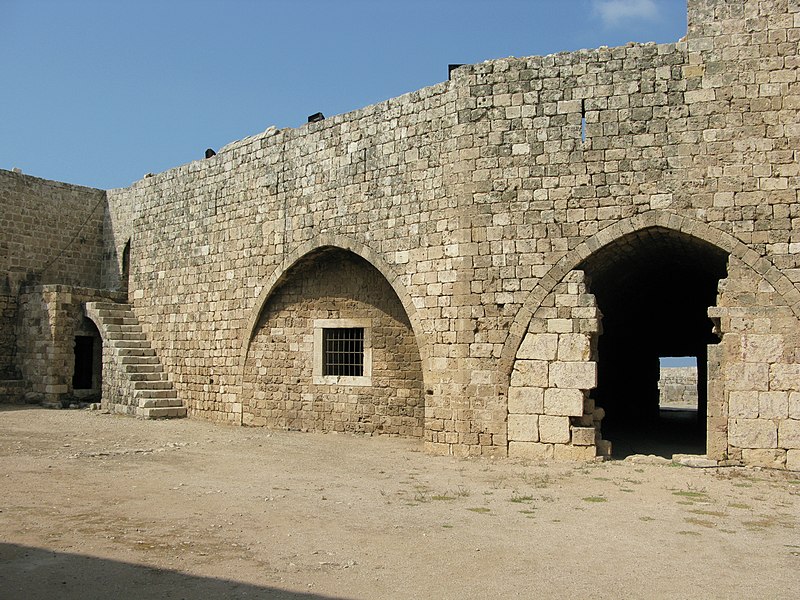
<point>539,346</point>
<point>530,373</point>
<point>466,222</point>
<point>583,436</point>
<point>578,375</point>
<point>789,434</point>
<point>563,402</point>
<point>752,433</point>
<point>526,400</point>
<point>574,347</point>
<point>743,404</point>
<point>530,450</point>
<point>554,430</point>
<point>523,428</point>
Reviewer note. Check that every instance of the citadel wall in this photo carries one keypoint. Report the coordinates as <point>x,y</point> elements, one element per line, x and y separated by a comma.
<point>525,232</point>
<point>50,233</point>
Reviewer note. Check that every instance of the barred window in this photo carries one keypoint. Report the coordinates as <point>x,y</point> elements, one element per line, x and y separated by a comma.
<point>343,351</point>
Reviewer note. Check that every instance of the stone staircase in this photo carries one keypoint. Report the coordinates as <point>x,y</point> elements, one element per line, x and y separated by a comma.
<point>138,385</point>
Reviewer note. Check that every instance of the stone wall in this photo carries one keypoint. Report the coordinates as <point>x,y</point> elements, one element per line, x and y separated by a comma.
<point>475,206</point>
<point>473,199</point>
<point>50,232</point>
<point>50,316</point>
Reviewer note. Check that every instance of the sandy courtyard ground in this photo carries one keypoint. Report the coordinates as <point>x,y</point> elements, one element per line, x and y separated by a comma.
<point>101,506</point>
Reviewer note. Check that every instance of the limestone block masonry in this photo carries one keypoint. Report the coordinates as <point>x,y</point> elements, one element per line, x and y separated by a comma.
<point>513,250</point>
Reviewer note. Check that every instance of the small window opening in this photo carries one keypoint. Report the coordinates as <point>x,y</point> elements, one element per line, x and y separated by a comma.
<point>343,351</point>
<point>83,375</point>
<point>583,120</point>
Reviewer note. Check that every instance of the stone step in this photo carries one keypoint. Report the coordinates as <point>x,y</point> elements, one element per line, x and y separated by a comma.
<point>115,329</point>
<point>153,395</point>
<point>145,394</point>
<point>122,343</point>
<point>144,369</point>
<point>159,403</point>
<point>121,321</point>
<point>152,385</point>
<point>135,351</point>
<point>138,360</point>
<point>161,413</point>
<point>153,376</point>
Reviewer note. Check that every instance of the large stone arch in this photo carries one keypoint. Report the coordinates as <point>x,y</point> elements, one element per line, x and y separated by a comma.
<point>654,218</point>
<point>334,241</point>
<point>326,288</point>
<point>750,373</point>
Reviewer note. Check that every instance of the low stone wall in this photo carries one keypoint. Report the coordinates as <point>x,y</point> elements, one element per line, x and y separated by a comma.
<point>677,387</point>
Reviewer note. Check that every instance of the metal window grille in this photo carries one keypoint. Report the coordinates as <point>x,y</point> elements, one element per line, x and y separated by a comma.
<point>343,351</point>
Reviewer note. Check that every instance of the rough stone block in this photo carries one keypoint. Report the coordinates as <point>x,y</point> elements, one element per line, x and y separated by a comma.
<point>567,452</point>
<point>793,460</point>
<point>784,376</point>
<point>789,434</point>
<point>773,405</point>
<point>578,375</point>
<point>539,346</point>
<point>530,450</point>
<point>563,402</point>
<point>794,405</point>
<point>554,430</point>
<point>771,459</point>
<point>526,400</point>
<point>574,347</point>
<point>530,373</point>
<point>584,436</point>
<point>743,404</point>
<point>752,433</point>
<point>761,348</point>
<point>747,376</point>
<point>523,428</point>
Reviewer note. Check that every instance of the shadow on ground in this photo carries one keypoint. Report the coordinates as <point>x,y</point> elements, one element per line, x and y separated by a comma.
<point>37,574</point>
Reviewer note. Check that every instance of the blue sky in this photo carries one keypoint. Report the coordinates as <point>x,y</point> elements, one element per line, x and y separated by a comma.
<point>100,92</point>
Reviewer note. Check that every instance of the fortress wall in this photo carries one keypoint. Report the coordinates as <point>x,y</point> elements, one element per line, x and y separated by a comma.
<point>466,196</point>
<point>50,232</point>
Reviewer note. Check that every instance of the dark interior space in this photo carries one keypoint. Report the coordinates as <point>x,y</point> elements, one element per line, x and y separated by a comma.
<point>87,374</point>
<point>84,361</point>
<point>653,288</point>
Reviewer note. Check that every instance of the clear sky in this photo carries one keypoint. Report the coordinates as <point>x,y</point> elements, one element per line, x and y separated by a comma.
<point>100,92</point>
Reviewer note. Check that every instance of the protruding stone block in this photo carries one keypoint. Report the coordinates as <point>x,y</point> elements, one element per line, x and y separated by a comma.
<point>584,436</point>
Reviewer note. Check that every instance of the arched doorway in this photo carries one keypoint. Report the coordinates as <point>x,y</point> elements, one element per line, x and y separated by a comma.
<point>333,350</point>
<point>654,287</point>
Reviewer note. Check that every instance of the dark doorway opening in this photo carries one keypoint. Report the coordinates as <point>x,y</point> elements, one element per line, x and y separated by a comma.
<point>653,288</point>
<point>82,376</point>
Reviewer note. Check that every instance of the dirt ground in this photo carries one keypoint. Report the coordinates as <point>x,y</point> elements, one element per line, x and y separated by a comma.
<point>101,506</point>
